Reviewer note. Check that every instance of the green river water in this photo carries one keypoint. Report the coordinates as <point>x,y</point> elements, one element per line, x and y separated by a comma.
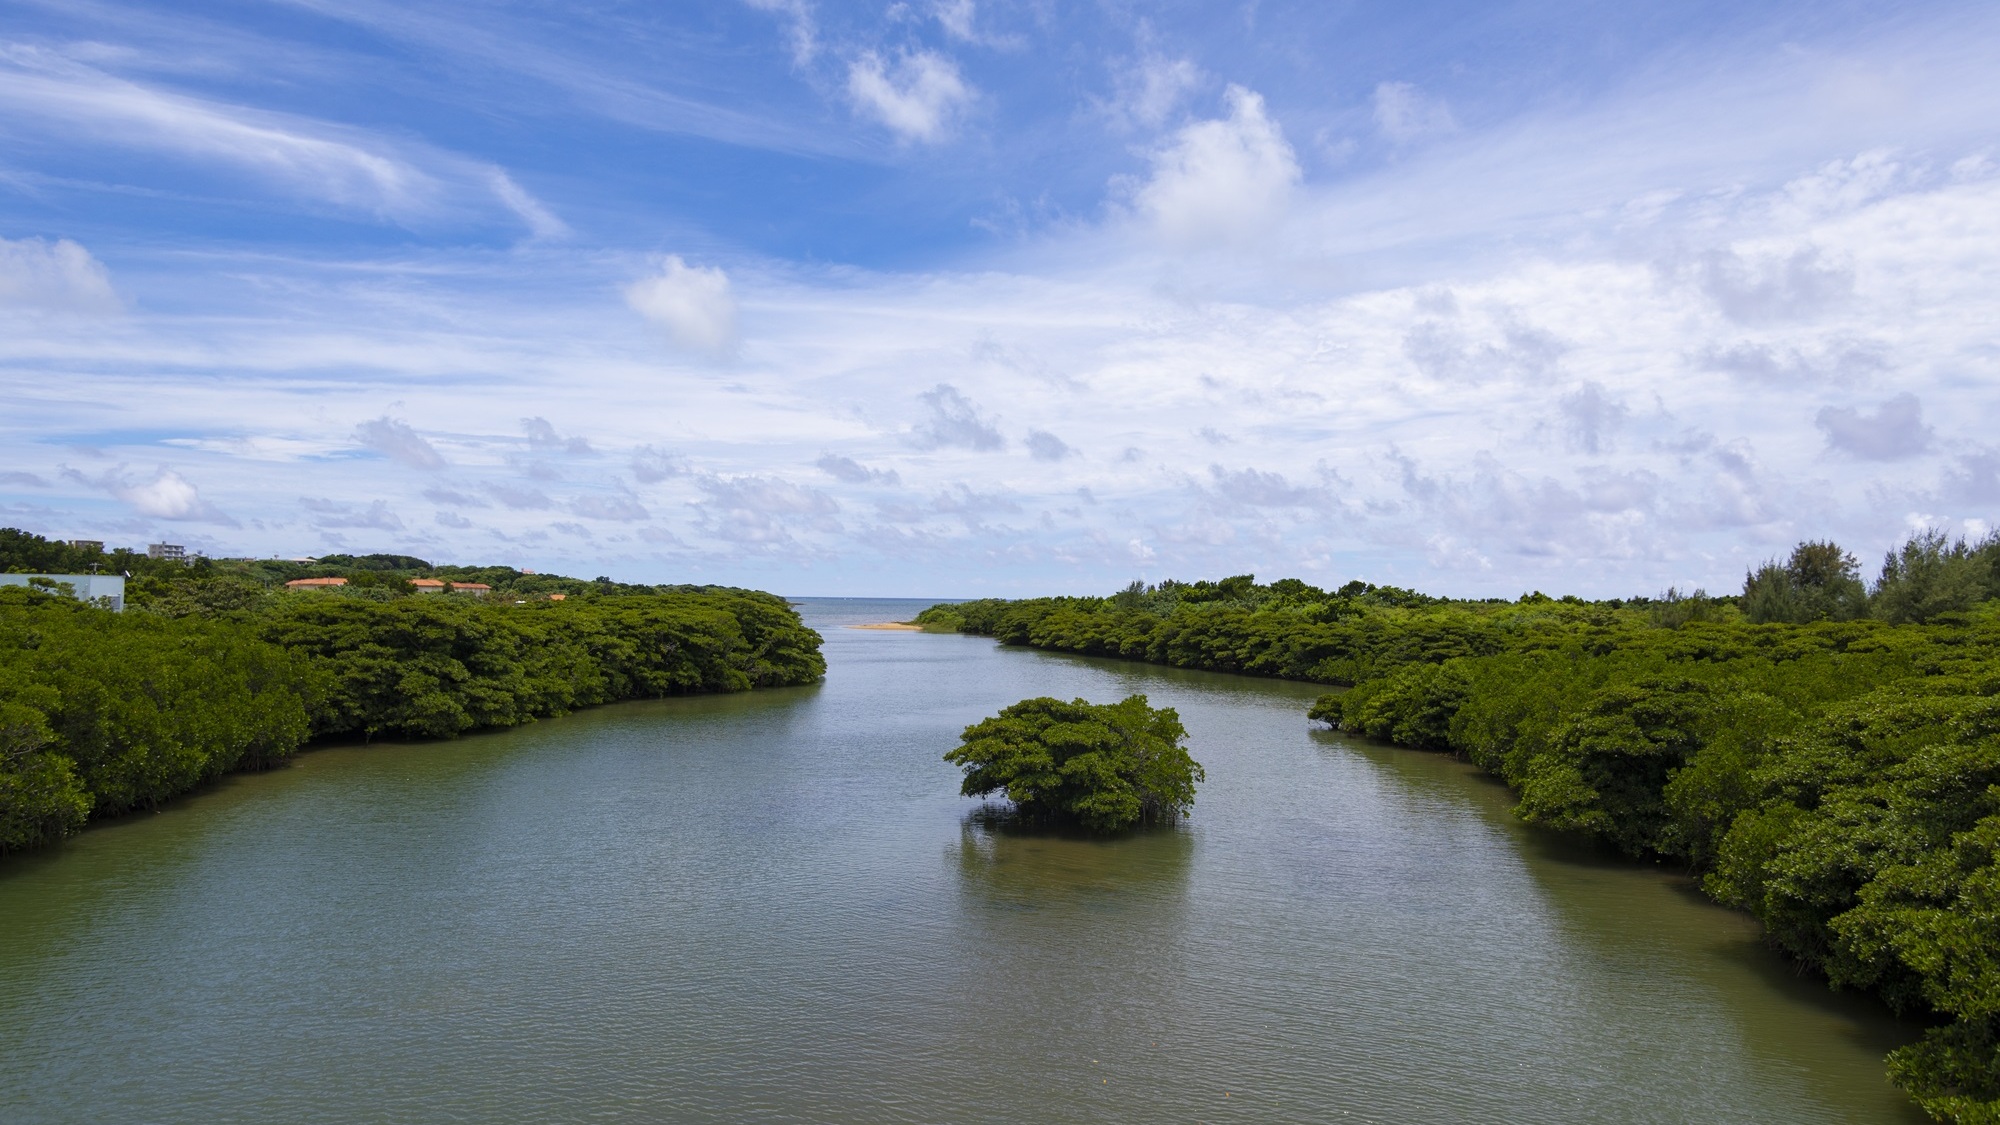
<point>774,907</point>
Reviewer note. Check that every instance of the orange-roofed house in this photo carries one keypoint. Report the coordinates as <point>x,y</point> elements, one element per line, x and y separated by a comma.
<point>427,585</point>
<point>557,597</point>
<point>476,589</point>
<point>314,583</point>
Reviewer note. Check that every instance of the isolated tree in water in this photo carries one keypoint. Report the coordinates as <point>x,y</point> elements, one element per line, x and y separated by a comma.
<point>1104,766</point>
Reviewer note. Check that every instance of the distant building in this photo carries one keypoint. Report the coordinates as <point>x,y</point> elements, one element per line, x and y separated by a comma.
<point>88,546</point>
<point>427,585</point>
<point>107,590</point>
<point>166,551</point>
<point>557,597</point>
<point>314,583</point>
<point>476,589</point>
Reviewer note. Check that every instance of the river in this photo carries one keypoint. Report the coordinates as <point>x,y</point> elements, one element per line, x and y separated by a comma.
<point>775,907</point>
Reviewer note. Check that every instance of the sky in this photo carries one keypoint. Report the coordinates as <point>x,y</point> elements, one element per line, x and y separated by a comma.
<point>944,298</point>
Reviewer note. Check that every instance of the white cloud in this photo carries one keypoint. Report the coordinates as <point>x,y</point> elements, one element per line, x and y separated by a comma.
<point>542,222</point>
<point>854,472</point>
<point>916,95</point>
<point>1221,180</point>
<point>1893,430</point>
<point>1152,88</point>
<point>1459,370</point>
<point>955,421</point>
<point>78,104</point>
<point>169,496</point>
<point>651,466</point>
<point>957,17</point>
<point>762,511</point>
<point>399,443</point>
<point>44,86</point>
<point>57,276</point>
<point>1406,115</point>
<point>520,497</point>
<point>1045,446</point>
<point>800,26</point>
<point>1772,288</point>
<point>1590,416</point>
<point>336,514</point>
<point>619,508</point>
<point>693,303</point>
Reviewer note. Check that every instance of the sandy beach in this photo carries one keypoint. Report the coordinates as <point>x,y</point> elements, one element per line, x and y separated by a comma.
<point>898,626</point>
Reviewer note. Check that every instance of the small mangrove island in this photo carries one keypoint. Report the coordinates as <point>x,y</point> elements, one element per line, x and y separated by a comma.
<point>1102,766</point>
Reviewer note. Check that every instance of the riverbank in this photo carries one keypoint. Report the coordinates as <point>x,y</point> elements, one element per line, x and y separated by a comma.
<point>102,713</point>
<point>1834,779</point>
<point>672,909</point>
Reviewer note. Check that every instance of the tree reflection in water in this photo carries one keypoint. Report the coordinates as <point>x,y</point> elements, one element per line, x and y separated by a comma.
<point>1006,862</point>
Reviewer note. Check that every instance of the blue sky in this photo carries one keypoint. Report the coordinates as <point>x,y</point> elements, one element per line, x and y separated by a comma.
<point>964,296</point>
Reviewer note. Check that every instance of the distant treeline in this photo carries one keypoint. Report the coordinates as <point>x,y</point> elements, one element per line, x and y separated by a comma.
<point>1822,754</point>
<point>213,671</point>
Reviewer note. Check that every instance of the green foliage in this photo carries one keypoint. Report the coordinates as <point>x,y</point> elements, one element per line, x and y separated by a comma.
<point>1826,760</point>
<point>1104,766</point>
<point>1932,575</point>
<point>1820,582</point>
<point>102,712</point>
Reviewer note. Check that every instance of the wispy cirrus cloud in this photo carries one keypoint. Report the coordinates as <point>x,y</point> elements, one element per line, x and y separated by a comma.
<point>68,100</point>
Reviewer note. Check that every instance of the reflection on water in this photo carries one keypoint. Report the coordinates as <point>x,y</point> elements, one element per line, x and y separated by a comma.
<point>1003,862</point>
<point>775,907</point>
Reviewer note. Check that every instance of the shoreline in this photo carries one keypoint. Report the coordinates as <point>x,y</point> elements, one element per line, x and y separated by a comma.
<point>892,626</point>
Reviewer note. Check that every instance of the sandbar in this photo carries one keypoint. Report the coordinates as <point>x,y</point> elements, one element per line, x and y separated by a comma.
<point>900,626</point>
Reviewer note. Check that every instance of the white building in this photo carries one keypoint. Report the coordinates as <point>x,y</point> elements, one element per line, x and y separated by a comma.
<point>107,590</point>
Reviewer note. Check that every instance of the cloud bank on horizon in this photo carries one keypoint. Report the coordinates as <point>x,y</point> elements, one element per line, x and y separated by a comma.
<point>971,296</point>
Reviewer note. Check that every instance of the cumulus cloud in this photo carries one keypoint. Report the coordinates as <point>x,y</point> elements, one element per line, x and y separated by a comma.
<point>169,496</point>
<point>693,303</point>
<point>53,276</point>
<point>1045,446</point>
<point>453,520</point>
<point>1256,488</point>
<point>399,443</point>
<point>854,472</point>
<point>620,508</point>
<point>955,422</point>
<point>333,513</point>
<point>453,497</point>
<point>1222,179</point>
<point>1772,288</point>
<point>1894,430</point>
<point>971,507</point>
<point>1448,352</point>
<point>542,435</point>
<point>1841,363</point>
<point>916,96</point>
<point>1406,114</point>
<point>1590,415</point>
<point>763,511</point>
<point>652,465</point>
<point>520,497</point>
<point>1974,478</point>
